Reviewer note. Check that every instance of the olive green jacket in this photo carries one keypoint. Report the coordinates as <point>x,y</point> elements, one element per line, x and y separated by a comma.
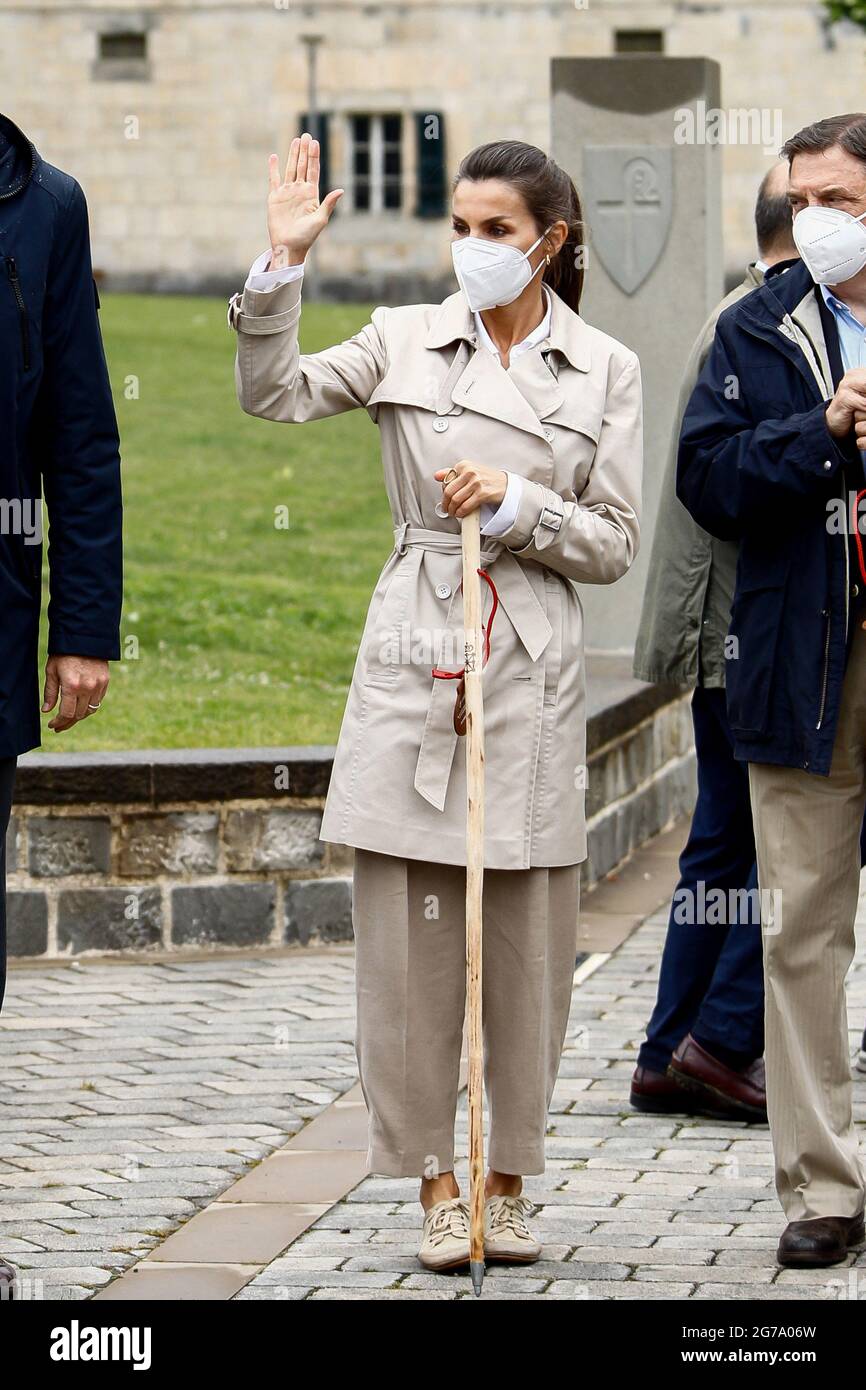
<point>690,583</point>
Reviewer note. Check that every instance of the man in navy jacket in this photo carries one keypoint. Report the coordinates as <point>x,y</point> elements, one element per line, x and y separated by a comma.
<point>58,437</point>
<point>769,456</point>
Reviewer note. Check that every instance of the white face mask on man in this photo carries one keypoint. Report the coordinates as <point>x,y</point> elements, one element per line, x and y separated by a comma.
<point>831,243</point>
<point>491,274</point>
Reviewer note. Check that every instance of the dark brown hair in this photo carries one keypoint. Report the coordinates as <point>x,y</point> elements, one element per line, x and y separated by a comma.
<point>849,132</point>
<point>550,196</point>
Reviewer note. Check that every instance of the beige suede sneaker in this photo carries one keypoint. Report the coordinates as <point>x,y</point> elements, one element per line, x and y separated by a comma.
<point>506,1234</point>
<point>446,1235</point>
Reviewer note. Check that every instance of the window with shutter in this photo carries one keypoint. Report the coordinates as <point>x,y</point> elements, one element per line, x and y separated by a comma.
<point>431,200</point>
<point>376,162</point>
<point>318,126</point>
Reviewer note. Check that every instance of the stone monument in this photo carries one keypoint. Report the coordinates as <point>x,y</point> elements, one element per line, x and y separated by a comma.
<point>632,132</point>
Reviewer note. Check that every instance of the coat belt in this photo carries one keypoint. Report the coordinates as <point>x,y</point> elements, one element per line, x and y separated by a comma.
<point>527,617</point>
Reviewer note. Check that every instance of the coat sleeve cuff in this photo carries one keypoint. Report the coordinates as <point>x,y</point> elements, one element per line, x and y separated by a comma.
<point>828,452</point>
<point>539,518</point>
<point>266,311</point>
<point>65,641</point>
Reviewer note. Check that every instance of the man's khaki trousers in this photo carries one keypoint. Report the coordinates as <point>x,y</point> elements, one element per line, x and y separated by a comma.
<point>409,919</point>
<point>807,834</point>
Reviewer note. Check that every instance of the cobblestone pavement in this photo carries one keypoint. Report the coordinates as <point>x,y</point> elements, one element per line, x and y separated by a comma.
<point>134,1094</point>
<point>631,1206</point>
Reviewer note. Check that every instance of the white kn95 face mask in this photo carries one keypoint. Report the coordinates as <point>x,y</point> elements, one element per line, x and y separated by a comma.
<point>491,274</point>
<point>831,243</point>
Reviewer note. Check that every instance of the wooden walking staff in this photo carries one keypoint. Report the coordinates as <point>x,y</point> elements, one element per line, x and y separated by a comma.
<point>472,611</point>
<point>469,720</point>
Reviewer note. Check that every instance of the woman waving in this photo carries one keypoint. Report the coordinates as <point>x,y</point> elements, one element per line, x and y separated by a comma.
<point>501,398</point>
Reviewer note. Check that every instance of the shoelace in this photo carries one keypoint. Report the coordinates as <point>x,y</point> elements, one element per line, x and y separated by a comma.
<point>449,1221</point>
<point>508,1213</point>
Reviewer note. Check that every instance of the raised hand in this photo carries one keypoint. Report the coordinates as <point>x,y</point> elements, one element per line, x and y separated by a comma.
<point>295,214</point>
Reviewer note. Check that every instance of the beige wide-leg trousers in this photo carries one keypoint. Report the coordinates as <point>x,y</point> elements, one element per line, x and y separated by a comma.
<point>410,962</point>
<point>807,834</point>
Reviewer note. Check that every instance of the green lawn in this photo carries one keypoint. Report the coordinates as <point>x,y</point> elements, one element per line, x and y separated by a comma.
<point>246,633</point>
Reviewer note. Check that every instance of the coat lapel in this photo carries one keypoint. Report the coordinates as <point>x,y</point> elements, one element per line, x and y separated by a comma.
<point>485,388</point>
<point>528,392</point>
<point>536,383</point>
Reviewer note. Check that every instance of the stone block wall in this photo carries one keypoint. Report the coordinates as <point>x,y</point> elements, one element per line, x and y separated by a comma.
<point>148,851</point>
<point>220,849</point>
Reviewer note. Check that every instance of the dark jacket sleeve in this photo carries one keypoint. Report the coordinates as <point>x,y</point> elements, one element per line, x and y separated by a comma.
<point>735,475</point>
<point>81,452</point>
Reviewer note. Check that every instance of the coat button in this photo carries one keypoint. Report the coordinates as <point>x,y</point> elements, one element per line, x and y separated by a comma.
<point>549,434</point>
<point>827,465</point>
<point>443,590</point>
<point>855,589</point>
<point>440,425</point>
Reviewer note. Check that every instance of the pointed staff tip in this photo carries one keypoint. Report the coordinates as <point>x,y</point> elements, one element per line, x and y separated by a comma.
<point>476,1269</point>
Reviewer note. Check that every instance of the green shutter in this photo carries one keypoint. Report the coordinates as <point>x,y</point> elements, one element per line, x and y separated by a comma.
<point>319,129</point>
<point>430,162</point>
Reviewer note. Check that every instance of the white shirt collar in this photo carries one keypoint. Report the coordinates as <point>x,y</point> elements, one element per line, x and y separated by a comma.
<point>537,335</point>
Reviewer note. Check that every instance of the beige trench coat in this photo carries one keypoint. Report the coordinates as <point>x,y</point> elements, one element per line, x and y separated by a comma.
<point>571,427</point>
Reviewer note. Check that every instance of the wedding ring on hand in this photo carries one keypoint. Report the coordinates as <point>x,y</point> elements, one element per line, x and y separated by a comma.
<point>94,706</point>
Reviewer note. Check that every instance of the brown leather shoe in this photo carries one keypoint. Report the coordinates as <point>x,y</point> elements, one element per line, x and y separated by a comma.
<point>824,1240</point>
<point>735,1095</point>
<point>7,1282</point>
<point>653,1093</point>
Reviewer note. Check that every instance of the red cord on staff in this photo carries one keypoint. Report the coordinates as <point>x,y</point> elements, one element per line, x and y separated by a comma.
<point>486,629</point>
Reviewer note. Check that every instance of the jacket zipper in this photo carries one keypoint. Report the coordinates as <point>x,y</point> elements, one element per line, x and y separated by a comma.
<point>12,272</point>
<point>818,376</point>
<point>826,668</point>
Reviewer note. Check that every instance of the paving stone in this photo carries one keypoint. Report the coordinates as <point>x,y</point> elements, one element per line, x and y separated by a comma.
<point>589,1289</point>
<point>264,1293</point>
<point>713,1292</point>
<point>188,1283</point>
<point>284,1273</point>
<point>246,1233</point>
<point>399,1295</point>
<point>699,1273</point>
